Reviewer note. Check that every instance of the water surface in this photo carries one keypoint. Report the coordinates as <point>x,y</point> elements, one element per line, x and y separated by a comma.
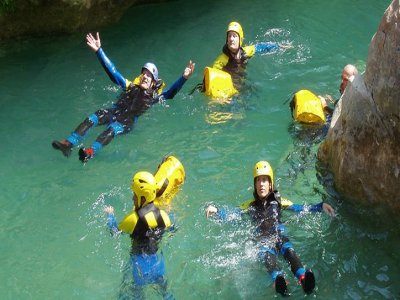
<point>54,241</point>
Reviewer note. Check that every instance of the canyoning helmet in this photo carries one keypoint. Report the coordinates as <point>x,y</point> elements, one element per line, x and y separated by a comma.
<point>263,168</point>
<point>144,186</point>
<point>152,69</point>
<point>235,26</point>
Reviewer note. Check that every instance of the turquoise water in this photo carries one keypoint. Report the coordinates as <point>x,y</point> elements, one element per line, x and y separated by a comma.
<point>54,241</point>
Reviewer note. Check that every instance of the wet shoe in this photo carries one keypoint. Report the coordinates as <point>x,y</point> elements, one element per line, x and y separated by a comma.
<point>307,281</point>
<point>281,286</point>
<point>65,147</point>
<point>85,154</point>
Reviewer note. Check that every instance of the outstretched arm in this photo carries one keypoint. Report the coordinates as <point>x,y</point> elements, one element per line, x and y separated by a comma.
<point>111,221</point>
<point>178,84</point>
<point>270,46</point>
<point>266,47</point>
<point>222,213</point>
<point>322,206</point>
<point>95,44</point>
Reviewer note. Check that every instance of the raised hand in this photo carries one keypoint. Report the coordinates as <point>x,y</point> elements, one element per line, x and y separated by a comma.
<point>93,43</point>
<point>189,69</point>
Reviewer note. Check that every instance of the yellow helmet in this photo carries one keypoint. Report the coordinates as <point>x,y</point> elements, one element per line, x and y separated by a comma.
<point>144,186</point>
<point>236,27</point>
<point>263,168</point>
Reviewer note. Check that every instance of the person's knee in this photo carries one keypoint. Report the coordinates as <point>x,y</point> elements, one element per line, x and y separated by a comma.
<point>117,128</point>
<point>286,246</point>
<point>93,119</point>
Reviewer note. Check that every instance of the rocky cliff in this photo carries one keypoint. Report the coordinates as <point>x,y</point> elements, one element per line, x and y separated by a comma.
<point>363,142</point>
<point>20,18</point>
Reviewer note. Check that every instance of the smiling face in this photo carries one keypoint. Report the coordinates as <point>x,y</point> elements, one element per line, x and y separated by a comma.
<point>233,41</point>
<point>263,185</point>
<point>147,79</point>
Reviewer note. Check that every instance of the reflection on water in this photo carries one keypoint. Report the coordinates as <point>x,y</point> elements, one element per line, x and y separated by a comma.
<point>219,112</point>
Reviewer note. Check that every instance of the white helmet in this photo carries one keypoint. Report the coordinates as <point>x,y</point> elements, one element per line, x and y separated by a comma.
<point>152,69</point>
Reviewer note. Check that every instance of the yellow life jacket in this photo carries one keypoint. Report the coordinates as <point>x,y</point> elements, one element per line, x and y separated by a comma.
<point>149,217</point>
<point>136,81</point>
<point>285,203</point>
<point>308,108</point>
<point>169,176</point>
<point>218,84</point>
<point>223,59</point>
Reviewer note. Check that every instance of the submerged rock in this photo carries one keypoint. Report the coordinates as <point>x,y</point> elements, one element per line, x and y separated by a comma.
<point>362,145</point>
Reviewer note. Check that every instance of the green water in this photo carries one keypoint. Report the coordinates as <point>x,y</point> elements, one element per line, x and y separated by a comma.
<point>54,241</point>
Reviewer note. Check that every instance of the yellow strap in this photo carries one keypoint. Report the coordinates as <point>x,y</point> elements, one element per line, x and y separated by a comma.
<point>151,220</point>
<point>166,219</point>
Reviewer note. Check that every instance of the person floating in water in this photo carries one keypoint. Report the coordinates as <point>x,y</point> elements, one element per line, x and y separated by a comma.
<point>235,56</point>
<point>233,61</point>
<point>265,212</point>
<point>145,225</point>
<point>136,98</point>
<point>308,108</point>
<point>348,73</point>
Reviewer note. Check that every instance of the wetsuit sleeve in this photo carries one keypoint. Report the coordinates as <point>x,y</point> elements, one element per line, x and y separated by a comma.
<point>111,70</point>
<point>300,207</point>
<point>174,88</point>
<point>266,47</point>
<point>226,214</point>
<point>112,224</point>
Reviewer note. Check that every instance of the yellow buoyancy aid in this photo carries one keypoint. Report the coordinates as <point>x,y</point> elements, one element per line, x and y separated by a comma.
<point>308,108</point>
<point>169,176</point>
<point>152,217</point>
<point>218,84</point>
<point>285,203</point>
<point>137,80</point>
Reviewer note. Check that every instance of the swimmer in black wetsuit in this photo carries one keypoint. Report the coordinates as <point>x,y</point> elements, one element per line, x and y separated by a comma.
<point>145,225</point>
<point>265,212</point>
<point>139,95</point>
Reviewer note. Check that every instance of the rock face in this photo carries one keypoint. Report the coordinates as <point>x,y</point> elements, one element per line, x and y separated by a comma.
<point>362,147</point>
<point>44,17</point>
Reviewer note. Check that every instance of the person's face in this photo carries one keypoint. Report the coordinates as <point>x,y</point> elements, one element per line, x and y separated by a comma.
<point>263,185</point>
<point>345,80</point>
<point>147,79</point>
<point>233,41</point>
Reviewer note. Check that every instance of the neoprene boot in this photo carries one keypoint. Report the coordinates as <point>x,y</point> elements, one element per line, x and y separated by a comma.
<point>86,154</point>
<point>281,286</point>
<point>64,146</point>
<point>307,281</point>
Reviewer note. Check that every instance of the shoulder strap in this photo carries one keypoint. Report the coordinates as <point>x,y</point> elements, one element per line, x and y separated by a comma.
<point>151,216</point>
